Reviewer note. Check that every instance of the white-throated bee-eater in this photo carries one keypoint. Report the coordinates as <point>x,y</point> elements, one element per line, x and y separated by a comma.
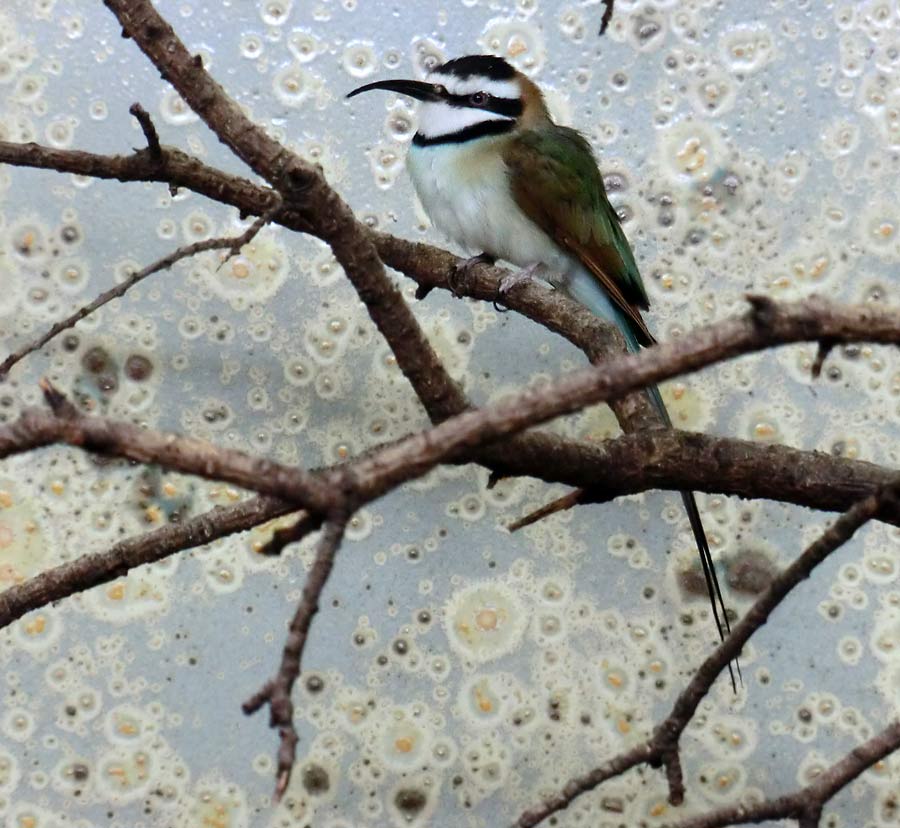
<point>500,178</point>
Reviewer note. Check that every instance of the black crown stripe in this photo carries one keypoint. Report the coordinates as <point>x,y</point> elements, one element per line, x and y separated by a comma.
<point>487,66</point>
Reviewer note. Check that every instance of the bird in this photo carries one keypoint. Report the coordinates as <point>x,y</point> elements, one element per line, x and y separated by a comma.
<point>497,175</point>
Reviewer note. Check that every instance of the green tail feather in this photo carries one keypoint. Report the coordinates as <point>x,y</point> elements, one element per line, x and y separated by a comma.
<point>584,288</point>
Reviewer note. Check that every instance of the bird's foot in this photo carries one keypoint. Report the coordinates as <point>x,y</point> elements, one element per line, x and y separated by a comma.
<point>464,269</point>
<point>526,274</point>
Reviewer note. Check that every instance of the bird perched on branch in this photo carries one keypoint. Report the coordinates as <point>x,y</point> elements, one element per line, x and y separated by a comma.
<point>499,177</point>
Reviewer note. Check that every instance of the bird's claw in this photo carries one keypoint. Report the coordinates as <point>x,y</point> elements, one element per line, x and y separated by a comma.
<point>463,269</point>
<point>526,274</point>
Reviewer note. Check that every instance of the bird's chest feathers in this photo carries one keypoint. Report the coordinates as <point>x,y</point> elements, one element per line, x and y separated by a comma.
<point>465,191</point>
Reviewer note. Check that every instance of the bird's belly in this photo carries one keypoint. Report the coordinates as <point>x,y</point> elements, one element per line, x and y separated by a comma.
<point>466,195</point>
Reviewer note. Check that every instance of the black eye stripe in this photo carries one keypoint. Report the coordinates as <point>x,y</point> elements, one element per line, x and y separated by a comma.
<point>511,107</point>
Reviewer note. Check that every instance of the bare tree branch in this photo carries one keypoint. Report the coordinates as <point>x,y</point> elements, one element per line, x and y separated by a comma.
<point>806,805</point>
<point>662,746</point>
<point>277,691</point>
<point>626,465</point>
<point>767,324</point>
<point>320,210</point>
<point>454,440</point>
<point>89,571</point>
<point>429,266</point>
<point>491,435</point>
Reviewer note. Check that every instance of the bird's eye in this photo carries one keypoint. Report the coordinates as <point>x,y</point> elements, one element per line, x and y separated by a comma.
<point>478,98</point>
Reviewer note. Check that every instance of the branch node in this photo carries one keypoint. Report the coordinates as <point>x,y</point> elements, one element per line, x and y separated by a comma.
<point>59,403</point>
<point>762,310</point>
<point>287,535</point>
<point>250,233</point>
<point>149,130</point>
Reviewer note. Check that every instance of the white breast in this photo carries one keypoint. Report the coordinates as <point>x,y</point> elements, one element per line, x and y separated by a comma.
<point>465,192</point>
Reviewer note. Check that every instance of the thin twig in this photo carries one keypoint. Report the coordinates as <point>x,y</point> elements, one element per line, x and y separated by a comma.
<point>149,130</point>
<point>277,691</point>
<point>607,15</point>
<point>320,210</point>
<point>231,243</point>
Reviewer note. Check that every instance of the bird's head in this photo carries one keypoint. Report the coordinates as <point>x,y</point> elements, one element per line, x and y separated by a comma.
<point>467,98</point>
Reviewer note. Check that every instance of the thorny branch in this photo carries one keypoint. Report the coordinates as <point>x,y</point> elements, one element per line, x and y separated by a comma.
<point>662,747</point>
<point>311,206</point>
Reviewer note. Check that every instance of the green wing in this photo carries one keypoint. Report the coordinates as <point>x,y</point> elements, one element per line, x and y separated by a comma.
<point>555,180</point>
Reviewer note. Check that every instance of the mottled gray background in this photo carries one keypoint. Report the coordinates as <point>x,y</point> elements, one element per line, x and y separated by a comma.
<point>754,148</point>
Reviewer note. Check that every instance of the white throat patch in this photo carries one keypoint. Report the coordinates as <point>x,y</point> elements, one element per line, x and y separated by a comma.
<point>438,118</point>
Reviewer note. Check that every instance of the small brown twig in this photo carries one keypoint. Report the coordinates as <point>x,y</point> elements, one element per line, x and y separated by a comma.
<point>149,130</point>
<point>607,15</point>
<point>822,352</point>
<point>560,504</point>
<point>662,747</point>
<point>231,243</point>
<point>805,805</point>
<point>276,692</point>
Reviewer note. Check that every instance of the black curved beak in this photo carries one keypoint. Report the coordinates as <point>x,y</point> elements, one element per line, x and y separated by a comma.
<point>419,90</point>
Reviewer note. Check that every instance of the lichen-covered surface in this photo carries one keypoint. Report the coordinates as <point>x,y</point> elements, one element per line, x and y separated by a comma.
<point>455,672</point>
